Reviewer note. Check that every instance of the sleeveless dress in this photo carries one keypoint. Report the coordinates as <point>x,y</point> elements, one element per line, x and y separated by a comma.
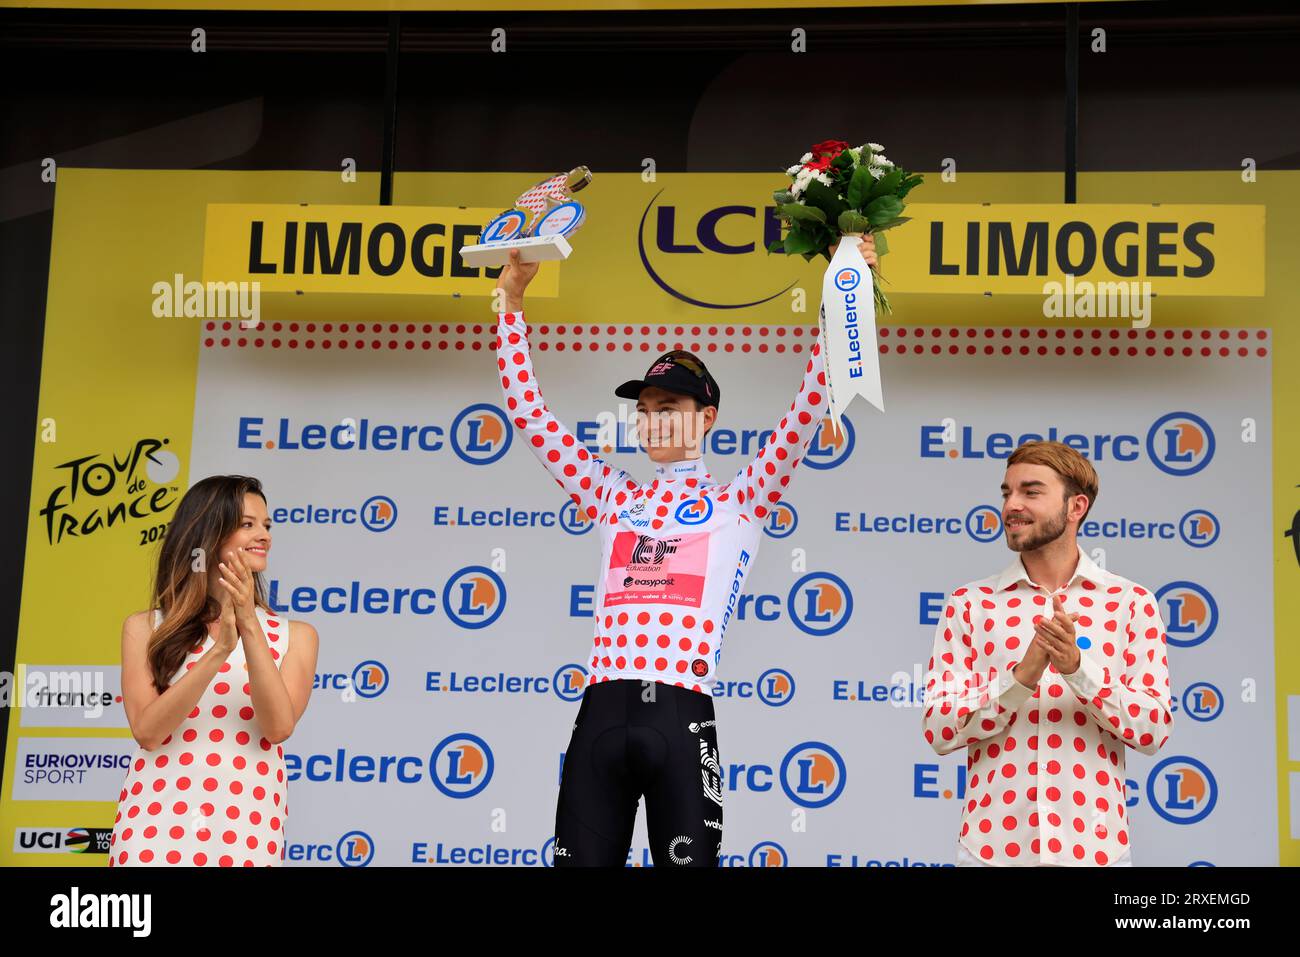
<point>214,792</point>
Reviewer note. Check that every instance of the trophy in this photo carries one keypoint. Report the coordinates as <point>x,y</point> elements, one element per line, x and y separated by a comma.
<point>537,225</point>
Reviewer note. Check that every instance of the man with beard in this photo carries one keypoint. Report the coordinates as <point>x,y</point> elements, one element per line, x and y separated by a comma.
<point>1045,673</point>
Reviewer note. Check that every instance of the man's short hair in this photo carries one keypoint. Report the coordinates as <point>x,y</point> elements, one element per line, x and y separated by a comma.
<point>1076,472</point>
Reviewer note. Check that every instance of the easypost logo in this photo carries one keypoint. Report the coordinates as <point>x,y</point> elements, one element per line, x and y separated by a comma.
<point>1202,701</point>
<point>820,604</point>
<point>1199,528</point>
<point>573,520</point>
<point>481,434</point>
<point>984,523</point>
<point>474,597</point>
<point>781,520</point>
<point>1180,443</point>
<point>461,765</point>
<point>694,511</point>
<point>813,774</point>
<point>569,682</point>
<point>1182,790</point>
<point>1189,612</point>
<point>829,450</point>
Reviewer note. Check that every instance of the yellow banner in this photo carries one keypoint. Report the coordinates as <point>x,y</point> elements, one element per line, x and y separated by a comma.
<point>411,250</point>
<point>1201,250</point>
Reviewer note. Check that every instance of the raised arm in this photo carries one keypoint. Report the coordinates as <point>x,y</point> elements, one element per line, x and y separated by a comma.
<point>585,477</point>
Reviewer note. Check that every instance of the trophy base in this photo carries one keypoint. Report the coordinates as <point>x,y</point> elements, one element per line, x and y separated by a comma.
<point>532,249</point>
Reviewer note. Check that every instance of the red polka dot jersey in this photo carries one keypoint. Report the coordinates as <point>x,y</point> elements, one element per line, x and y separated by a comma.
<point>675,552</point>
<point>213,793</point>
<point>1045,766</point>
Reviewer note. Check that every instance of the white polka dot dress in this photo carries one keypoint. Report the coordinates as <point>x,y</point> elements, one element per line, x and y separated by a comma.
<point>213,793</point>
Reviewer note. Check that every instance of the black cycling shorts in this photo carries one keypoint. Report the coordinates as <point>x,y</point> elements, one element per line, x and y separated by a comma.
<point>635,738</point>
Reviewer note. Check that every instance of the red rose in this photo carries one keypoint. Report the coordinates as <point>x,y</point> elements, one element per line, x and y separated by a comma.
<point>819,164</point>
<point>829,148</point>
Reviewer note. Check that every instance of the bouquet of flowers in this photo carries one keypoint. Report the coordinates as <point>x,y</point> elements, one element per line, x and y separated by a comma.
<point>837,189</point>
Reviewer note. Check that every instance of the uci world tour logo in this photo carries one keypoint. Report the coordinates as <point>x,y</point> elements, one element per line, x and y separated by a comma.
<point>694,511</point>
<point>573,520</point>
<point>481,434</point>
<point>781,521</point>
<point>1190,612</point>
<point>378,513</point>
<point>828,450</point>
<point>1180,443</point>
<point>984,523</point>
<point>1182,790</point>
<point>820,604</point>
<point>355,849</point>
<point>474,597</point>
<point>461,765</point>
<point>1202,701</point>
<point>812,774</point>
<point>1199,528</point>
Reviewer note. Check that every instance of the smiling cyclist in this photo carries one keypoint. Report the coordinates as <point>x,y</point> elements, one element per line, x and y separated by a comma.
<point>674,557</point>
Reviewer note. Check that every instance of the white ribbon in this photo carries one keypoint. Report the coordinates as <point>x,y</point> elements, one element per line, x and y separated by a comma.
<point>848,331</point>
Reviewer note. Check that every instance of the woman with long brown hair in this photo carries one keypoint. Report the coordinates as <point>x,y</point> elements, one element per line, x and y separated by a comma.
<point>212,682</point>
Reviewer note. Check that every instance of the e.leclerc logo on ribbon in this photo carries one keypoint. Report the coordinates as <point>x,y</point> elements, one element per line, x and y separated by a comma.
<point>848,332</point>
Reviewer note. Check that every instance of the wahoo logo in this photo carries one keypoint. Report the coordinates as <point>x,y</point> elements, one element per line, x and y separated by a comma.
<point>828,449</point>
<point>461,765</point>
<point>481,434</point>
<point>355,849</point>
<point>1180,443</point>
<point>813,774</point>
<point>378,513</point>
<point>775,687</point>
<point>694,511</point>
<point>781,521</point>
<point>1202,701</point>
<point>820,604</point>
<point>1189,611</point>
<point>573,519</point>
<point>474,597</point>
<point>1182,790</point>
<point>569,682</point>
<point>1199,528</point>
<point>768,854</point>
<point>984,523</point>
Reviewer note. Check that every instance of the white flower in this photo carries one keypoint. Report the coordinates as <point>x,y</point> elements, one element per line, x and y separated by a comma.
<point>805,158</point>
<point>823,178</point>
<point>876,147</point>
<point>881,161</point>
<point>875,171</point>
<point>793,170</point>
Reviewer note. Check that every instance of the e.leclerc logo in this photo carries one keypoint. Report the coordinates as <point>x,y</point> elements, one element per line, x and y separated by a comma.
<point>781,520</point>
<point>1190,612</point>
<point>820,604</point>
<point>1177,443</point>
<point>813,774</point>
<point>474,597</point>
<point>1182,790</point>
<point>461,765</point>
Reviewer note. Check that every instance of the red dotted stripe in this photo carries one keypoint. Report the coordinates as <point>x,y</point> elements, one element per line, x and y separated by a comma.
<point>902,340</point>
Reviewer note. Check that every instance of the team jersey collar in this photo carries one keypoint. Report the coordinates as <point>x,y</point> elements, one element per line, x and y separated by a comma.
<point>1086,569</point>
<point>682,470</point>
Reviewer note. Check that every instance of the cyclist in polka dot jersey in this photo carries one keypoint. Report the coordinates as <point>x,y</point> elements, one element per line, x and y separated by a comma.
<point>1046,673</point>
<point>674,557</point>
<point>210,701</point>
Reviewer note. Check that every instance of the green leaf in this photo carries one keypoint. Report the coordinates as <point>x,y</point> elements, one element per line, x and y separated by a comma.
<point>797,243</point>
<point>776,247</point>
<point>798,212</point>
<point>884,209</point>
<point>891,224</point>
<point>886,185</point>
<point>851,221</point>
<point>782,196</point>
<point>860,187</point>
<point>882,244</point>
<point>823,197</point>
